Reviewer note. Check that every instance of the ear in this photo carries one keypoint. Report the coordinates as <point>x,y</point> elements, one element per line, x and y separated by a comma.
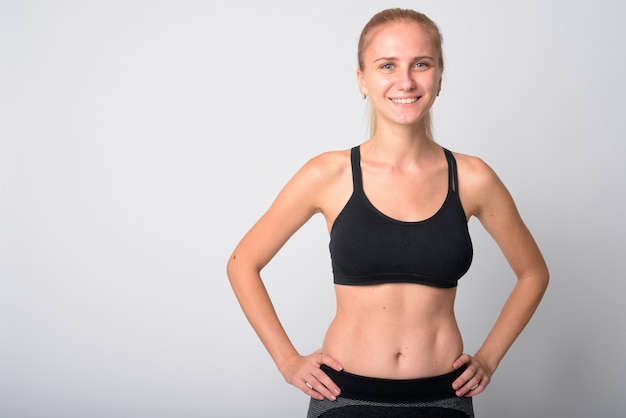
<point>440,80</point>
<point>361,81</point>
<point>439,83</point>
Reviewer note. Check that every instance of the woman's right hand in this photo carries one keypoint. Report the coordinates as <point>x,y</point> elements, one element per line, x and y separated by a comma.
<point>304,373</point>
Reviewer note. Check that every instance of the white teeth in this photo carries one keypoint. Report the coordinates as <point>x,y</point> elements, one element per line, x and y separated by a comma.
<point>405,101</point>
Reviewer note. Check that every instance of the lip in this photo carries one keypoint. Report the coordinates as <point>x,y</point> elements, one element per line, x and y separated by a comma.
<point>404,100</point>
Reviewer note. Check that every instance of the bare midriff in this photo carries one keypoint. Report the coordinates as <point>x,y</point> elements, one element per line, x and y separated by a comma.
<point>394,330</point>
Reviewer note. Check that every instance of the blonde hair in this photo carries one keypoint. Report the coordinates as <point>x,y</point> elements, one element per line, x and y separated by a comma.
<point>400,15</point>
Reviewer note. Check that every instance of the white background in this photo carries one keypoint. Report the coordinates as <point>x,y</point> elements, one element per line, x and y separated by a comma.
<point>139,140</point>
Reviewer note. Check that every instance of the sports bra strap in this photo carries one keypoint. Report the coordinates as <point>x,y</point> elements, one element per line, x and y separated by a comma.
<point>355,158</point>
<point>453,179</point>
<point>357,180</point>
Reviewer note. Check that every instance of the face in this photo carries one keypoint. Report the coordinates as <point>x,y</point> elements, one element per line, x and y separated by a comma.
<point>400,73</point>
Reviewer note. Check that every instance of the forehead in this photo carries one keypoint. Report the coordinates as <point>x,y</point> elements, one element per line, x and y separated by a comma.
<point>399,39</point>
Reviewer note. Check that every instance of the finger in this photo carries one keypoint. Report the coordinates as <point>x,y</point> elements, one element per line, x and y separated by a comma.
<point>315,386</point>
<point>328,388</point>
<point>463,359</point>
<point>469,386</point>
<point>321,391</point>
<point>482,385</point>
<point>315,382</point>
<point>330,362</point>
<point>477,384</point>
<point>463,379</point>
<point>475,389</point>
<point>308,389</point>
<point>461,382</point>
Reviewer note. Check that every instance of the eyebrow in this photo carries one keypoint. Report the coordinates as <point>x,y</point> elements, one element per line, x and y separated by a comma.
<point>395,58</point>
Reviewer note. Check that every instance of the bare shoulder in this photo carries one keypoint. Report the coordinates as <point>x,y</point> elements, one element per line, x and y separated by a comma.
<point>328,182</point>
<point>327,166</point>
<point>319,179</point>
<point>473,170</point>
<point>478,183</point>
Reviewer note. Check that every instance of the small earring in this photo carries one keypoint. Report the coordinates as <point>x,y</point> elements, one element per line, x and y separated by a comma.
<point>438,93</point>
<point>364,96</point>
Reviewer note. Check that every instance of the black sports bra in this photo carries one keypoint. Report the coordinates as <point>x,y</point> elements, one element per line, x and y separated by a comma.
<point>368,247</point>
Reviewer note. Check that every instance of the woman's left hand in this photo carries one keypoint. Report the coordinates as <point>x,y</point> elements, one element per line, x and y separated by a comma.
<point>474,379</point>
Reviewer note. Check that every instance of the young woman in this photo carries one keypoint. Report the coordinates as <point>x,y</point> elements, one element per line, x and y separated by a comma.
<point>397,208</point>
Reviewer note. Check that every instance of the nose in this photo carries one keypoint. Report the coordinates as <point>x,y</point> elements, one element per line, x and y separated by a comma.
<point>406,81</point>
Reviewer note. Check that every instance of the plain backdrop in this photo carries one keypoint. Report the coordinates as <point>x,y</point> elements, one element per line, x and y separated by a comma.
<point>139,140</point>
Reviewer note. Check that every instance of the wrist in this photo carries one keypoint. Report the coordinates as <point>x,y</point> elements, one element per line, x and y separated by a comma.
<point>284,363</point>
<point>490,364</point>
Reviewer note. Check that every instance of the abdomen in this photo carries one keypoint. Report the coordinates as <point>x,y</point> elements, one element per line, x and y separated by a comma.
<point>394,331</point>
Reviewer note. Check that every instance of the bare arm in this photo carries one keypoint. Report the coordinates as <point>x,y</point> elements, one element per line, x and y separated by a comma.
<point>492,204</point>
<point>294,206</point>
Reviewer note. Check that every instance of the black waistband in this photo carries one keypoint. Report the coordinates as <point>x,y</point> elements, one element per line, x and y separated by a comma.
<point>394,390</point>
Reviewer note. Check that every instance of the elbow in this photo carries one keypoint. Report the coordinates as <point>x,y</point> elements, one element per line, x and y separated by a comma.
<point>240,268</point>
<point>541,274</point>
<point>536,280</point>
<point>544,274</point>
<point>542,278</point>
<point>231,267</point>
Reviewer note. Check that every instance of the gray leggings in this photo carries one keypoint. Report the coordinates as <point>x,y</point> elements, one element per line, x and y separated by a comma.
<point>366,397</point>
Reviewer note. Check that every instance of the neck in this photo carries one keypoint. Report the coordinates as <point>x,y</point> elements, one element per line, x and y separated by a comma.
<point>399,145</point>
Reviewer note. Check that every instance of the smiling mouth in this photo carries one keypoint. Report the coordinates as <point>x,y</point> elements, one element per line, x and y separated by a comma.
<point>407,100</point>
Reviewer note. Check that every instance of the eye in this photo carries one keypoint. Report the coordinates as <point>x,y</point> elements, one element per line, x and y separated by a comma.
<point>421,65</point>
<point>387,66</point>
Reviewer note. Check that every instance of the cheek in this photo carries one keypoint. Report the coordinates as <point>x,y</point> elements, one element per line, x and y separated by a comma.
<point>431,82</point>
<point>381,83</point>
